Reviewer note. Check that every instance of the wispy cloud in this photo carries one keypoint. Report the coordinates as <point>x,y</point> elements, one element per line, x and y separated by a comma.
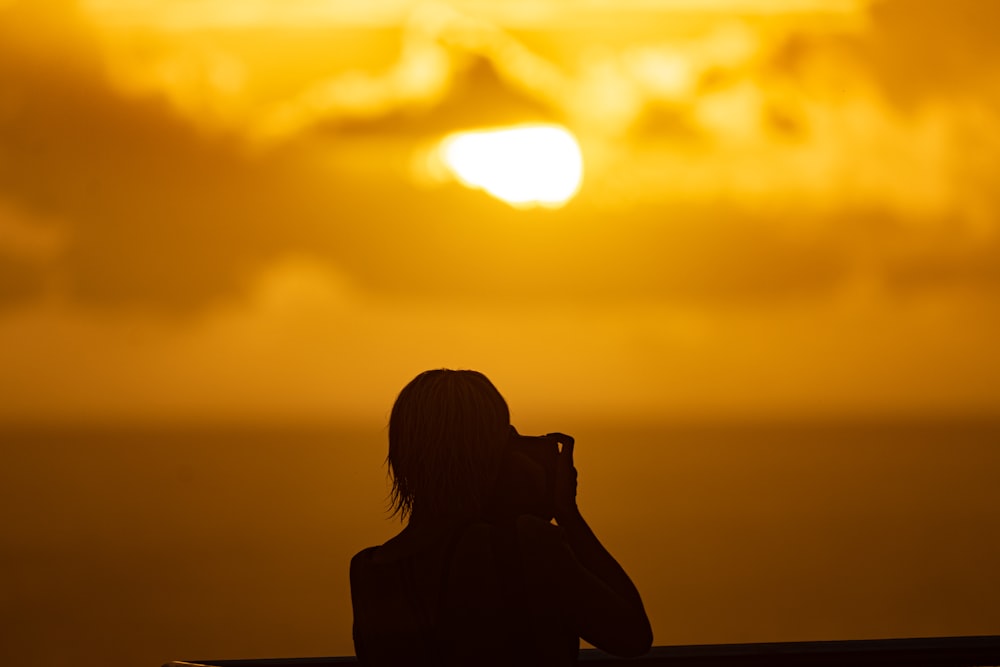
<point>765,197</point>
<point>736,107</point>
<point>306,345</point>
<point>193,15</point>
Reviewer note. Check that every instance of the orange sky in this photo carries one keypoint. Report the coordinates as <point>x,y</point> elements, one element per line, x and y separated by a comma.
<point>221,211</point>
<point>211,210</point>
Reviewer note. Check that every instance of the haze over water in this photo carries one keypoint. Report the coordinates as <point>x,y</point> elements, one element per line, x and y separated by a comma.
<point>134,547</point>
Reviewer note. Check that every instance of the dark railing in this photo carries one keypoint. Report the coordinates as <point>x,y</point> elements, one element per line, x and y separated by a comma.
<point>917,652</point>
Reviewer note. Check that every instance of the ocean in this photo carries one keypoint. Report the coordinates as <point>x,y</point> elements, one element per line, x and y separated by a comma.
<point>132,546</point>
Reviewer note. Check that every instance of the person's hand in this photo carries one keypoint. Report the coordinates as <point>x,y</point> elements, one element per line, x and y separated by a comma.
<point>565,483</point>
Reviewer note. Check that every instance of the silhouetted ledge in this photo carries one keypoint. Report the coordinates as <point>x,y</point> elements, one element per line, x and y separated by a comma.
<point>938,651</point>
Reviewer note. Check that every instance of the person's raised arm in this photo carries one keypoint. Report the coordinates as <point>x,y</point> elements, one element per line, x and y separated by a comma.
<point>597,593</point>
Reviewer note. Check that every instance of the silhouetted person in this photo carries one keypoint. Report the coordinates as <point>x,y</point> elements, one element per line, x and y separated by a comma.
<point>479,575</point>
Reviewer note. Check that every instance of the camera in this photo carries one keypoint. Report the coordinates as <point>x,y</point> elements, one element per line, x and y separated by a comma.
<point>528,476</point>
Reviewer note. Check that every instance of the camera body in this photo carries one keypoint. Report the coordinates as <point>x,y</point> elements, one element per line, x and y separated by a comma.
<point>527,479</point>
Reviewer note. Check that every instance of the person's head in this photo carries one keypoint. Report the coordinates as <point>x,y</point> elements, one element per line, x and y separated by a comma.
<point>447,435</point>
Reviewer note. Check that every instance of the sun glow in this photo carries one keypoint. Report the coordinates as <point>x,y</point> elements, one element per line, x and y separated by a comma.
<point>526,166</point>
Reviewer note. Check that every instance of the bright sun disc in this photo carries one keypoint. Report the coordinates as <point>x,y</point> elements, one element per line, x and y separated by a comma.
<point>537,165</point>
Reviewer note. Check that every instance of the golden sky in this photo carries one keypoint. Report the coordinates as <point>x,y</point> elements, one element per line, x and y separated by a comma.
<point>222,209</point>
<point>241,211</point>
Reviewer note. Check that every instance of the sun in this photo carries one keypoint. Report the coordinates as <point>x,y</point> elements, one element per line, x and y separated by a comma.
<point>526,166</point>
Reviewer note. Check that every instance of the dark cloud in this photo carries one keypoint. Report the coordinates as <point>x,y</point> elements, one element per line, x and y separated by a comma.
<point>933,49</point>
<point>163,215</point>
<point>941,262</point>
<point>20,280</point>
<point>157,212</point>
<point>160,214</point>
<point>912,51</point>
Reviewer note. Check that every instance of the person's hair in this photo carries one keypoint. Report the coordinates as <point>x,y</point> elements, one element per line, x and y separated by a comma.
<point>447,432</point>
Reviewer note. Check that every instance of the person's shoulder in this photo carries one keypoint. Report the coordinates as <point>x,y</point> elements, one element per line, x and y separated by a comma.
<point>365,553</point>
<point>362,558</point>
